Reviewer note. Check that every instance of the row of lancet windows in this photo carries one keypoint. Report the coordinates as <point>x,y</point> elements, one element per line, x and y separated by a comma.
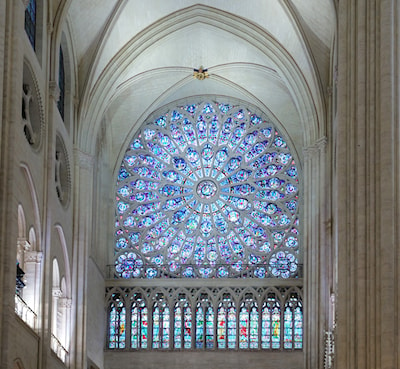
<point>248,324</point>
<point>30,29</point>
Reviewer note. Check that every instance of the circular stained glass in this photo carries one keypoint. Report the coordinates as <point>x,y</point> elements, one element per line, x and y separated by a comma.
<point>207,190</point>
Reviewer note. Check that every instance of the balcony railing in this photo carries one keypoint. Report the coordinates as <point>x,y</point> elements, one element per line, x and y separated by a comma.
<point>59,349</point>
<point>247,271</point>
<point>25,312</point>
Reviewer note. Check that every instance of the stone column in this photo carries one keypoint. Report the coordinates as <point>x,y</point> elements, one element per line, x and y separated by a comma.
<point>56,295</point>
<point>64,309</point>
<point>11,61</point>
<point>368,183</point>
<point>33,260</point>
<point>317,252</point>
<point>84,167</point>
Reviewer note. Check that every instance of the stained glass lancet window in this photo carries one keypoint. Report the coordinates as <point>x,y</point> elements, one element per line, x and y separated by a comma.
<point>117,323</point>
<point>193,319</point>
<point>30,22</point>
<point>139,320</point>
<point>293,323</point>
<point>61,84</point>
<point>207,190</point>
<point>226,324</point>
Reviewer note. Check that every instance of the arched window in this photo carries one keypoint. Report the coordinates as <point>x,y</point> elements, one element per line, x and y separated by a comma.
<point>30,22</point>
<point>117,323</point>
<point>270,323</point>
<point>226,324</point>
<point>293,323</point>
<point>139,323</point>
<point>182,324</point>
<point>161,326</point>
<point>210,191</point>
<point>61,83</point>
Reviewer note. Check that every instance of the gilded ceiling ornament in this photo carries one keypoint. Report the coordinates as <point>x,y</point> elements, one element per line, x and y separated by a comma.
<point>200,73</point>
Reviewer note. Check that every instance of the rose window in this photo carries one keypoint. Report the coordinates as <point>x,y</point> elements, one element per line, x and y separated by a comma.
<point>207,190</point>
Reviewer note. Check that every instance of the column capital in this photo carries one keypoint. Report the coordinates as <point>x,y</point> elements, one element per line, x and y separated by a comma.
<point>54,90</point>
<point>83,159</point>
<point>56,292</point>
<point>317,147</point>
<point>33,256</point>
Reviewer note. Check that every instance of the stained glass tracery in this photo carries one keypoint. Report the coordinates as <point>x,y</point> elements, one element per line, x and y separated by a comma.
<point>117,324</point>
<point>207,190</point>
<point>192,320</point>
<point>30,22</point>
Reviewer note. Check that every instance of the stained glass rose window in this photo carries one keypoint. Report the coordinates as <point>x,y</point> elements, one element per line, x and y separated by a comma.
<point>207,190</point>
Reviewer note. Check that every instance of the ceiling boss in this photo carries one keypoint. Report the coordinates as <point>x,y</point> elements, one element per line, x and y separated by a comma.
<point>200,73</point>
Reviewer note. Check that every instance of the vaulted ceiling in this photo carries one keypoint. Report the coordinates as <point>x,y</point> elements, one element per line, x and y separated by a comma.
<point>134,57</point>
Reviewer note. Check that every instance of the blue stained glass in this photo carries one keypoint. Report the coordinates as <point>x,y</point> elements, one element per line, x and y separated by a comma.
<point>30,22</point>
<point>151,273</point>
<point>244,189</point>
<point>156,328</point>
<point>176,116</point>
<point>292,172</point>
<point>222,272</point>
<point>130,160</point>
<point>122,243</point>
<point>206,172</point>
<point>260,272</point>
<point>188,272</point>
<point>159,152</point>
<point>226,131</point>
<point>255,119</point>
<point>117,324</point>
<point>201,130</point>
<point>161,121</point>
<point>233,164</point>
<point>191,109</point>
<point>167,143</point>
<point>279,142</point>
<point>180,163</point>
<point>243,328</point>
<point>292,205</point>
<point>149,134</point>
<point>122,207</point>
<point>178,327</point>
<point>205,272</point>
<point>290,188</point>
<point>177,135</point>
<point>123,174</point>
<point>253,336</point>
<point>199,327</point>
<point>209,328</point>
<point>207,153</point>
<point>248,142</point>
<point>152,162</point>
<point>208,108</point>
<point>231,326</point>
<point>224,108</point>
<point>214,130</point>
<point>187,327</point>
<point>298,327</point>
<point>125,191</point>
<point>221,327</point>
<point>282,264</point>
<point>192,155</point>
<point>136,145</point>
<point>189,131</point>
<point>238,133</point>
<point>240,114</point>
